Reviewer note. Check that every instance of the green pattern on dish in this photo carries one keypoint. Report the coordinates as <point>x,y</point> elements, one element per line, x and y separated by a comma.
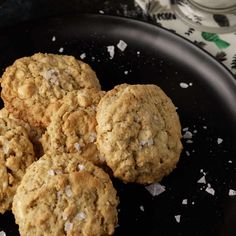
<point>211,37</point>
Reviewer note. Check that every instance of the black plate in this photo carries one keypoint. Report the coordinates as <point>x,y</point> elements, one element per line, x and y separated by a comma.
<point>207,108</point>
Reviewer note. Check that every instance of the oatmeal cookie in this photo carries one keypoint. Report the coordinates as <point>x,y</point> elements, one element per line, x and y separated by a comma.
<point>33,84</point>
<point>138,133</point>
<point>73,126</point>
<point>65,195</point>
<point>16,154</point>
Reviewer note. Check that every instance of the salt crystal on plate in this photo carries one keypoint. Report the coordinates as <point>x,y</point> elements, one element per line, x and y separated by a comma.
<point>187,153</point>
<point>122,45</point>
<point>187,135</point>
<point>189,141</point>
<point>177,218</point>
<point>229,161</point>
<point>53,38</point>
<point>204,127</point>
<point>101,11</point>
<point>2,233</point>
<point>185,201</point>
<point>61,50</point>
<point>183,85</point>
<point>126,72</point>
<point>82,56</point>
<point>155,189</point>
<point>185,129</point>
<point>138,52</point>
<point>219,140</point>
<point>190,84</point>
<point>68,226</point>
<point>210,190</point>
<point>202,180</point>
<point>111,50</point>
<point>141,208</point>
<point>232,192</point>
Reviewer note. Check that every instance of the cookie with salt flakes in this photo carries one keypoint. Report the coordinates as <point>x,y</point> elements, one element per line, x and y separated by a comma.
<point>34,84</point>
<point>138,133</point>
<point>65,195</point>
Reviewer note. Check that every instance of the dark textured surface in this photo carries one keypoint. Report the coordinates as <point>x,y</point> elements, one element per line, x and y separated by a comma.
<point>153,55</point>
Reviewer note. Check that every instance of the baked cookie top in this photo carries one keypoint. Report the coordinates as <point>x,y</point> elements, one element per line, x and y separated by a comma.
<point>73,126</point>
<point>138,133</point>
<point>32,84</point>
<point>16,154</point>
<point>65,195</point>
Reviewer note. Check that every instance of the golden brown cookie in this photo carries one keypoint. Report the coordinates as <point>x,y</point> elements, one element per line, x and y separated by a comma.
<point>34,133</point>
<point>73,126</point>
<point>65,195</point>
<point>138,133</point>
<point>16,154</point>
<point>32,84</point>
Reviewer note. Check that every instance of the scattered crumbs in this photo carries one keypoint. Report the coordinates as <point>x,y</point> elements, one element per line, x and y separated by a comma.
<point>80,216</point>
<point>185,202</point>
<point>68,226</point>
<point>202,180</point>
<point>187,153</point>
<point>111,50</point>
<point>155,189</point>
<point>232,192</point>
<point>204,127</point>
<point>81,167</point>
<point>149,142</point>
<point>2,233</point>
<point>210,190</point>
<point>54,38</point>
<point>183,85</point>
<point>141,208</point>
<point>187,135</point>
<point>122,45</point>
<point>138,52</point>
<point>185,129</point>
<point>101,11</point>
<point>77,147</point>
<point>51,172</point>
<point>190,84</point>
<point>83,56</point>
<point>177,218</point>
<point>61,50</point>
<point>92,137</point>
<point>189,141</point>
<point>219,140</point>
<point>68,191</point>
<point>229,161</point>
<point>195,131</point>
<point>126,72</point>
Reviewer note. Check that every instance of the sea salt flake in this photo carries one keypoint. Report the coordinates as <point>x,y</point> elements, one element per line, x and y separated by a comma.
<point>232,192</point>
<point>202,180</point>
<point>193,203</point>
<point>189,141</point>
<point>177,218</point>
<point>187,135</point>
<point>101,11</point>
<point>51,172</point>
<point>183,85</point>
<point>138,52</point>
<point>111,50</point>
<point>141,208</point>
<point>82,56</point>
<point>61,50</point>
<point>2,233</point>
<point>187,153</point>
<point>80,216</point>
<point>210,190</point>
<point>68,226</point>
<point>92,137</point>
<point>149,142</point>
<point>53,38</point>
<point>204,127</point>
<point>81,167</point>
<point>219,140</point>
<point>77,147</point>
<point>195,131</point>
<point>51,75</point>
<point>122,45</point>
<point>185,129</point>
<point>190,84</point>
<point>155,189</point>
<point>126,72</point>
<point>185,201</point>
<point>68,191</point>
<point>229,161</point>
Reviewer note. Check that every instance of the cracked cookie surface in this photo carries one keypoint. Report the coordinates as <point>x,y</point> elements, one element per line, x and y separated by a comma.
<point>138,133</point>
<point>73,126</point>
<point>16,154</point>
<point>33,84</point>
<point>65,195</point>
